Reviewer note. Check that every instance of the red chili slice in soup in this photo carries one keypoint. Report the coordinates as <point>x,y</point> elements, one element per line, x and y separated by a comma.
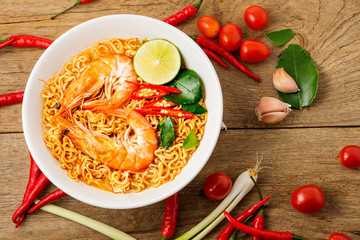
<point>165,111</point>
<point>160,103</point>
<point>147,92</point>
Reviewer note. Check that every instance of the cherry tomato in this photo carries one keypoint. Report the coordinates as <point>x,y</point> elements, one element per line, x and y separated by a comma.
<point>230,37</point>
<point>253,51</point>
<point>217,186</point>
<point>256,17</point>
<point>308,199</point>
<point>338,236</point>
<point>208,26</point>
<point>350,156</point>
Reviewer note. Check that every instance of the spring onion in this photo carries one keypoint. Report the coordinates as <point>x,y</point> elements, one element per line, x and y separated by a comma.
<point>88,222</point>
<point>241,187</point>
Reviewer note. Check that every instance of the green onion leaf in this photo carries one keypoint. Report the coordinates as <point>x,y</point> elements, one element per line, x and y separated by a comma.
<point>167,132</point>
<point>86,221</point>
<point>281,37</point>
<point>191,140</point>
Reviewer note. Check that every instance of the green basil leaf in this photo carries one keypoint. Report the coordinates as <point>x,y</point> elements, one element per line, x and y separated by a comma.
<point>191,140</point>
<point>167,132</point>
<point>281,37</point>
<point>194,108</point>
<point>188,82</point>
<point>299,65</point>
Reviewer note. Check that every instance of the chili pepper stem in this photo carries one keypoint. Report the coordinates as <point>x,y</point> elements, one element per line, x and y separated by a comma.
<point>4,43</point>
<point>237,230</point>
<point>3,40</point>
<point>78,2</point>
<point>193,37</point>
<point>198,4</point>
<point>298,237</point>
<point>184,14</point>
<point>233,236</point>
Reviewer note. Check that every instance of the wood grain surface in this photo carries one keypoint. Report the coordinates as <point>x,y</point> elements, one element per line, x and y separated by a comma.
<point>302,149</point>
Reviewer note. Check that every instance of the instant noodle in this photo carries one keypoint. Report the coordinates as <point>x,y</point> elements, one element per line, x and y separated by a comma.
<point>72,113</point>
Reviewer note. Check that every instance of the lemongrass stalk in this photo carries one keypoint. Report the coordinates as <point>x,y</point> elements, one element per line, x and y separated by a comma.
<point>88,222</point>
<point>248,185</point>
<point>236,189</point>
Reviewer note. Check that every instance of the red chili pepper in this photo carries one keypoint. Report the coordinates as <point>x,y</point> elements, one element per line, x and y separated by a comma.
<point>259,218</point>
<point>229,229</point>
<point>158,87</point>
<point>184,14</point>
<point>11,98</point>
<point>6,42</point>
<point>227,55</point>
<point>264,234</point>
<point>259,222</point>
<point>169,222</point>
<point>48,199</point>
<point>33,175</point>
<point>39,185</point>
<point>214,57</point>
<point>21,41</point>
<point>165,111</point>
<point>160,103</point>
<point>147,93</point>
<point>78,2</point>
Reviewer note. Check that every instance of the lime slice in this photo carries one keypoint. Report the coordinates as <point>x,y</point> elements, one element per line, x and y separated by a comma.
<point>157,61</point>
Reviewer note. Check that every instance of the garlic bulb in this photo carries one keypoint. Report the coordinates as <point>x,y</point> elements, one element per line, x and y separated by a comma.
<point>284,82</point>
<point>271,110</point>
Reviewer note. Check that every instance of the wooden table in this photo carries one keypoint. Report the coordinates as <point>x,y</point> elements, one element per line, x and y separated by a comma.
<point>302,149</point>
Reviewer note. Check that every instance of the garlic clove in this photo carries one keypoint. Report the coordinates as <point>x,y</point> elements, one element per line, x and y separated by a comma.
<point>284,82</point>
<point>273,117</point>
<point>270,104</point>
<point>271,110</point>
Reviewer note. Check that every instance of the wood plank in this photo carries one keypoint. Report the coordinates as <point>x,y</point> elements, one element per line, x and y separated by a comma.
<point>286,151</point>
<point>328,31</point>
<point>303,149</point>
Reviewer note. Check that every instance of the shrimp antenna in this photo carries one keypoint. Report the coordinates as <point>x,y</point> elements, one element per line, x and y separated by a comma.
<point>78,124</point>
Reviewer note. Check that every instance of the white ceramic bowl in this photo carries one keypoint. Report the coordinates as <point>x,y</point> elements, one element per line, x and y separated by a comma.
<point>83,36</point>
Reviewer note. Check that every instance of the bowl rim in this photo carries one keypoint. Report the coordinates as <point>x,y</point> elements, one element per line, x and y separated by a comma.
<point>36,153</point>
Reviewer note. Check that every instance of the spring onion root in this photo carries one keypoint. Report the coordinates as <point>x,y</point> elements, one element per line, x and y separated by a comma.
<point>88,222</point>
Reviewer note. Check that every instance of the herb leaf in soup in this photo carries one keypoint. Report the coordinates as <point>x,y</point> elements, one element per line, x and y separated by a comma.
<point>191,140</point>
<point>194,108</point>
<point>188,82</point>
<point>167,132</point>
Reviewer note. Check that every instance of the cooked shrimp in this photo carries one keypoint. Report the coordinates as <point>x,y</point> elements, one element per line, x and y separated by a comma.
<point>111,71</point>
<point>120,154</point>
<point>118,89</point>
